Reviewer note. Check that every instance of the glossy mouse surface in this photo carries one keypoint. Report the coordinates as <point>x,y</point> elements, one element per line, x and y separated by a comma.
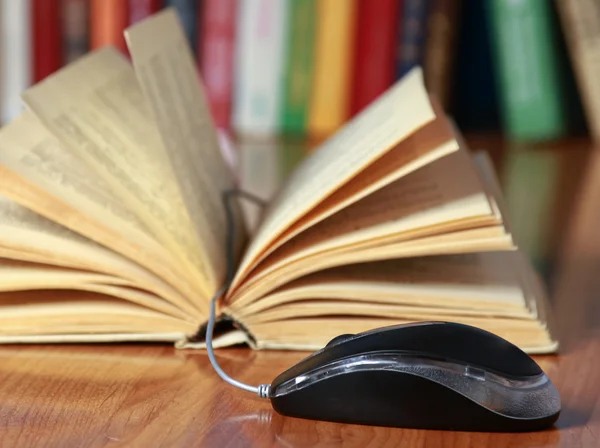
<point>432,375</point>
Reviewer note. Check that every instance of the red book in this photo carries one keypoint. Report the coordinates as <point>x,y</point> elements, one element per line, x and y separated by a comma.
<point>108,20</point>
<point>216,49</point>
<point>47,38</point>
<point>374,67</point>
<point>140,9</point>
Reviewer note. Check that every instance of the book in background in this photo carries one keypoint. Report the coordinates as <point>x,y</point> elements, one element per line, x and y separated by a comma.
<point>439,62</point>
<point>47,38</point>
<point>298,70</point>
<point>581,25</point>
<point>16,51</point>
<point>216,44</point>
<point>475,84</point>
<point>334,49</point>
<point>258,66</point>
<point>526,50</point>
<point>375,42</point>
<point>141,9</point>
<point>412,34</point>
<point>188,11</point>
<point>108,20</point>
<point>75,27</point>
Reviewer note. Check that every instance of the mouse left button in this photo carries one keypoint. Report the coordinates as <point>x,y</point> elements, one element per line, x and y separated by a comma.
<point>339,339</point>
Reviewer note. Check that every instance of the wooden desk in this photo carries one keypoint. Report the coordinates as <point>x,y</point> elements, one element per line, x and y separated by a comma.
<point>151,395</point>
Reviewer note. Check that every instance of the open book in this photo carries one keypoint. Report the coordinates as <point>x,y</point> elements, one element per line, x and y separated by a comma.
<point>113,226</point>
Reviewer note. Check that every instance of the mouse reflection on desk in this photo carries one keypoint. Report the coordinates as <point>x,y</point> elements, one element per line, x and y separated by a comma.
<point>433,375</point>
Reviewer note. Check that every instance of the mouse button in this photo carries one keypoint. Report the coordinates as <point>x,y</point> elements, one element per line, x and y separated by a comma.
<point>339,339</point>
<point>459,342</point>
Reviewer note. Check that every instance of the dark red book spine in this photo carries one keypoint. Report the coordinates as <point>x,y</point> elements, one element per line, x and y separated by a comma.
<point>47,38</point>
<point>216,48</point>
<point>140,9</point>
<point>375,44</point>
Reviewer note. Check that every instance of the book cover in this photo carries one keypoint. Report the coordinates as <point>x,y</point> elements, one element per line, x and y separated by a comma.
<point>298,66</point>
<point>16,50</point>
<point>75,29</point>
<point>47,38</point>
<point>529,75</point>
<point>375,42</point>
<point>217,44</point>
<point>108,20</point>
<point>187,10</point>
<point>334,55</point>
<point>412,33</point>
<point>141,9</point>
<point>441,48</point>
<point>259,65</point>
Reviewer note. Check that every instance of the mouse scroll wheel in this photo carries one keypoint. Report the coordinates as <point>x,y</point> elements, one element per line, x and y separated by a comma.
<point>340,338</point>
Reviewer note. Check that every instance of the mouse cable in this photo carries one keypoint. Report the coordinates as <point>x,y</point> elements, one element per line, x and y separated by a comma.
<point>262,390</point>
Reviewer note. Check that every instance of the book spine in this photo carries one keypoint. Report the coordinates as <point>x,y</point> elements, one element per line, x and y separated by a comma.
<point>478,108</point>
<point>334,45</point>
<point>16,55</point>
<point>527,66</point>
<point>187,10</point>
<point>259,61</point>
<point>581,24</point>
<point>299,66</point>
<point>412,33</point>
<point>442,30</point>
<point>216,56</point>
<point>108,20</point>
<point>140,9</point>
<point>375,41</point>
<point>47,51</point>
<point>75,22</point>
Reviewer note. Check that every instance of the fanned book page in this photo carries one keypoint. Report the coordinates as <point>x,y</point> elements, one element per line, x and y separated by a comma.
<point>113,225</point>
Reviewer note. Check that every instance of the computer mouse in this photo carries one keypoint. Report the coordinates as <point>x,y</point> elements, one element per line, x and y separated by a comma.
<point>431,375</point>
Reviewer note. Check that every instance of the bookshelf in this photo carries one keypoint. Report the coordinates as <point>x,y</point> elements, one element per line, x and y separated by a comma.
<point>282,75</point>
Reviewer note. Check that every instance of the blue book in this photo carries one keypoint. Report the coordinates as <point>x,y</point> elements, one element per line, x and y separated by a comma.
<point>188,14</point>
<point>412,34</point>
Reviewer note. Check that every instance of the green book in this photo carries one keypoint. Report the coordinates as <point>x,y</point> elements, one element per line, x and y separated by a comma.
<point>526,53</point>
<point>298,66</point>
<point>530,182</point>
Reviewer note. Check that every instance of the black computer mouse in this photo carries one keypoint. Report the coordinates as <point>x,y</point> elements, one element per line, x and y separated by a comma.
<point>432,375</point>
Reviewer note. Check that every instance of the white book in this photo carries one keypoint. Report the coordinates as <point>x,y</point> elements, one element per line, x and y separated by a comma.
<point>16,50</point>
<point>259,66</point>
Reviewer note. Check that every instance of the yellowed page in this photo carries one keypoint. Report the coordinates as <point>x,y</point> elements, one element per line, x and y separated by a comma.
<point>96,109</point>
<point>315,333</point>
<point>79,312</point>
<point>486,282</point>
<point>402,110</point>
<point>41,240</point>
<point>167,74</point>
<point>23,276</point>
<point>18,275</point>
<point>462,241</point>
<point>326,307</point>
<point>442,192</point>
<point>51,181</point>
<point>434,197</point>
<point>434,140</point>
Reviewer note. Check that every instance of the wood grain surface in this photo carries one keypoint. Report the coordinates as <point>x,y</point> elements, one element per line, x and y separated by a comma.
<point>155,396</point>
